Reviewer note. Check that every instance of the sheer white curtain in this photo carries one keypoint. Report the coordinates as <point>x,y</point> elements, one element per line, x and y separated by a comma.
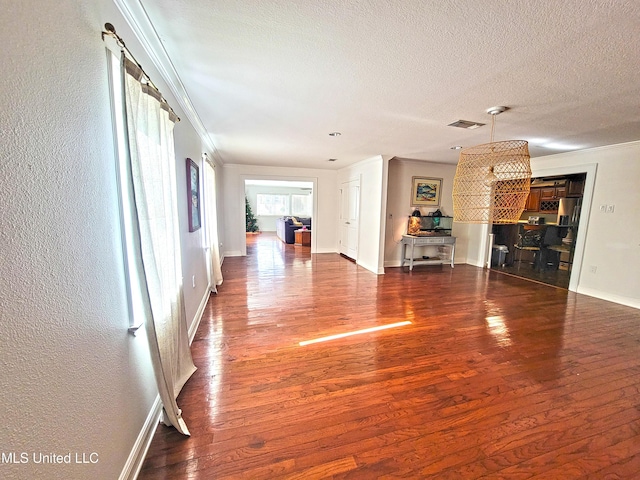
<point>156,235</point>
<point>211,220</point>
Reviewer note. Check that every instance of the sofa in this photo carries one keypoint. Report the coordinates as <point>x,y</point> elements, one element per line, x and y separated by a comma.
<point>286,227</point>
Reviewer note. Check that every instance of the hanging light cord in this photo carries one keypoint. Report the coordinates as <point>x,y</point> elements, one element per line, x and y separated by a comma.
<point>493,125</point>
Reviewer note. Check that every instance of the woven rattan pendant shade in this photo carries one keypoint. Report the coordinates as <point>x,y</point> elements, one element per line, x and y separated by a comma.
<point>492,183</point>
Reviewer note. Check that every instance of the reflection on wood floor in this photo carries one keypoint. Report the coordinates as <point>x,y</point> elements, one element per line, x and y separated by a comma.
<point>496,377</point>
<point>551,276</point>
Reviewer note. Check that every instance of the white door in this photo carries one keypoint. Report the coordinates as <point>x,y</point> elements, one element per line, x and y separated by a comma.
<point>349,209</point>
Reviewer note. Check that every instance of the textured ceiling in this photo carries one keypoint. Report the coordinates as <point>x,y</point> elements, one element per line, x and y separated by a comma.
<point>270,79</point>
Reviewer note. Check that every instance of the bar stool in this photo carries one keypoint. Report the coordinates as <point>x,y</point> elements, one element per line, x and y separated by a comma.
<point>529,240</point>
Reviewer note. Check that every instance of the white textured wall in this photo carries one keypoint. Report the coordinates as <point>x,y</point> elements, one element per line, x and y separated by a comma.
<point>324,237</point>
<point>194,268</point>
<point>71,378</point>
<point>220,205</point>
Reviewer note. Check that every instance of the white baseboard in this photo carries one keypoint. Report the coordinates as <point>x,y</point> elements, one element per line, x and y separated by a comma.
<point>371,268</point>
<point>326,250</point>
<point>629,302</point>
<point>198,317</point>
<point>139,451</point>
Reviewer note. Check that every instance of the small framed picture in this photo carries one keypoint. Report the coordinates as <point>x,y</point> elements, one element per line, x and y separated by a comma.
<point>193,194</point>
<point>425,191</point>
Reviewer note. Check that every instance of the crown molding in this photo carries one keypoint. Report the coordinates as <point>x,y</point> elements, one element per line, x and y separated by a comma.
<point>137,18</point>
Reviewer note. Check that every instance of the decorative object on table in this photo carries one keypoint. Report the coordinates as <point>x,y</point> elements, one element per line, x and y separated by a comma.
<point>492,181</point>
<point>193,194</point>
<point>251,221</point>
<point>414,225</point>
<point>425,191</point>
<point>416,213</point>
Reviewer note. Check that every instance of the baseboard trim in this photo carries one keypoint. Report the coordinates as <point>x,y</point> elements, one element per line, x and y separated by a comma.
<point>139,451</point>
<point>198,317</point>
<point>325,250</point>
<point>371,268</point>
<point>592,292</point>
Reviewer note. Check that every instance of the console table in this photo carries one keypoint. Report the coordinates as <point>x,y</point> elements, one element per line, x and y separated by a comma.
<point>419,241</point>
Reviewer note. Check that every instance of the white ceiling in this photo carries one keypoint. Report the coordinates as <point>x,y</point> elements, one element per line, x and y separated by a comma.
<point>270,79</point>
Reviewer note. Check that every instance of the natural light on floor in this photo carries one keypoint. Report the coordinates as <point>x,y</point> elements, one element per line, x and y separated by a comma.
<point>356,332</point>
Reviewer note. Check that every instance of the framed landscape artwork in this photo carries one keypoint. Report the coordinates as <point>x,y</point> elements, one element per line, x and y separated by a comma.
<point>193,194</point>
<point>425,192</point>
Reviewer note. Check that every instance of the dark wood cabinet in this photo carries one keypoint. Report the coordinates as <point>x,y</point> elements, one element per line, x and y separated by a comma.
<point>553,192</point>
<point>533,200</point>
<point>544,196</point>
<point>575,187</point>
<point>547,193</point>
<point>550,196</point>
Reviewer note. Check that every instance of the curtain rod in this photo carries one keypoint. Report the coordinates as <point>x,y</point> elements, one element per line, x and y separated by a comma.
<point>111,32</point>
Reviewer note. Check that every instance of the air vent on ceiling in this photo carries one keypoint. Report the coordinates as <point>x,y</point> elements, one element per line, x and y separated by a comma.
<point>466,124</point>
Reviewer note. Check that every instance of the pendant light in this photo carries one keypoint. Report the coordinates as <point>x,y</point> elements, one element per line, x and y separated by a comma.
<point>492,180</point>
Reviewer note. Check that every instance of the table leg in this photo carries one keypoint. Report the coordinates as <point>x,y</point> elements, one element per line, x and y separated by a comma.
<point>411,259</point>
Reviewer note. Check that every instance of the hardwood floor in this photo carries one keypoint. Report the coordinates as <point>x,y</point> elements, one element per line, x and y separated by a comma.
<point>550,276</point>
<point>496,377</point>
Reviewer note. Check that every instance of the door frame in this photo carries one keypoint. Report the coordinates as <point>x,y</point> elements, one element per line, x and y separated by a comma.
<point>240,199</point>
<point>590,169</point>
<point>585,211</point>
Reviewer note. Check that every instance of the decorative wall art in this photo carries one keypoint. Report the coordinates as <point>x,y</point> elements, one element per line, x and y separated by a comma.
<point>425,191</point>
<point>193,194</point>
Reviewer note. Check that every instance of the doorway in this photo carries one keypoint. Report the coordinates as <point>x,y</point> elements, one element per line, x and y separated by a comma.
<point>542,245</point>
<point>270,199</point>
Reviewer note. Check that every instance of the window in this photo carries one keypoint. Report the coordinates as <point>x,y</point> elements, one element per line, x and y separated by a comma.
<point>269,204</point>
<point>301,205</point>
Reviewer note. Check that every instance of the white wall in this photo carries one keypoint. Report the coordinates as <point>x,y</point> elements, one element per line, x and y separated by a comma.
<point>267,223</point>
<point>220,201</point>
<point>399,206</point>
<point>477,243</point>
<point>612,243</point>
<point>194,267</point>
<point>73,379</point>
<point>325,204</point>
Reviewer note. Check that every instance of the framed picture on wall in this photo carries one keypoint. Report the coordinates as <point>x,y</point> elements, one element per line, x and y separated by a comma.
<point>193,194</point>
<point>425,192</point>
